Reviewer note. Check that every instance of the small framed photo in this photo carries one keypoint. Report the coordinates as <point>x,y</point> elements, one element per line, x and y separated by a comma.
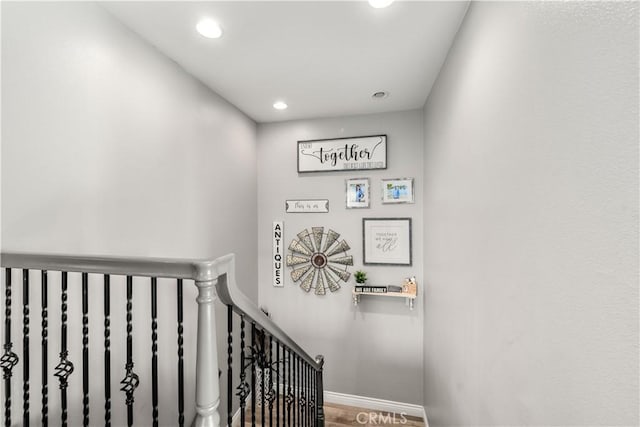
<point>397,190</point>
<point>357,193</point>
<point>386,241</point>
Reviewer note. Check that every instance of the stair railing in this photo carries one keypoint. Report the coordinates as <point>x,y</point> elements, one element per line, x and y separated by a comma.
<point>281,373</point>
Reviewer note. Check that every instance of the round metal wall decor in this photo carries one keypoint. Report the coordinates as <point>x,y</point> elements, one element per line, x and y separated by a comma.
<point>318,260</point>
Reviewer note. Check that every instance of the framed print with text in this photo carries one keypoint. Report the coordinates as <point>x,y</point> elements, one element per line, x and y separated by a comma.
<point>386,241</point>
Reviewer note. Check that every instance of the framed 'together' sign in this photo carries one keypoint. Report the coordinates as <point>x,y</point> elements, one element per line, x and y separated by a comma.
<point>343,154</point>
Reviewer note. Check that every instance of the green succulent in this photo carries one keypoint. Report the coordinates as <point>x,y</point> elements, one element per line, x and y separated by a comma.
<point>360,276</point>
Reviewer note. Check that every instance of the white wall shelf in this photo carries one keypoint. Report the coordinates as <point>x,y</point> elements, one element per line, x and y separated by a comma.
<point>409,297</point>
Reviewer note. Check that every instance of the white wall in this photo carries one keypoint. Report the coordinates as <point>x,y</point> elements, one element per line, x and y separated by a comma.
<point>108,147</point>
<point>374,349</point>
<point>531,218</point>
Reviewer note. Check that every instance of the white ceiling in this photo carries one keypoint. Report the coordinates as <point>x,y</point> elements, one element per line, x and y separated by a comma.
<point>324,58</point>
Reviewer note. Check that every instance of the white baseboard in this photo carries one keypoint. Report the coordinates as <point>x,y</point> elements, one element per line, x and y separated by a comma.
<point>424,416</point>
<point>235,421</point>
<point>376,404</point>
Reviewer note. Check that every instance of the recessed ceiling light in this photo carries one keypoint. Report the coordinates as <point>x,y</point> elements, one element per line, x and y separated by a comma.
<point>209,28</point>
<point>379,4</point>
<point>279,105</point>
<point>380,94</point>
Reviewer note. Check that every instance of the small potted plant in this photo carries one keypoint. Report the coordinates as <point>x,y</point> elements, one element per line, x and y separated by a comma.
<point>361,277</point>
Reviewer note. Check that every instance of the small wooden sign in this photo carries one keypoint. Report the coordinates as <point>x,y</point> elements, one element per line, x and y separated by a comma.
<point>278,245</point>
<point>307,206</point>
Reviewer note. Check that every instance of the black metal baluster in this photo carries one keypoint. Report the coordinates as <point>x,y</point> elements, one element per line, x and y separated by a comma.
<point>243,388</point>
<point>271,395</point>
<point>308,370</point>
<point>277,383</point>
<point>296,386</point>
<point>311,397</point>
<point>300,393</point>
<point>303,402</point>
<point>64,368</point>
<point>180,357</point>
<point>85,349</point>
<point>295,390</point>
<point>229,363</point>
<point>315,396</point>
<point>154,349</point>
<point>107,350</point>
<point>298,390</point>
<point>130,381</point>
<point>297,371</point>
<point>310,388</point>
<point>305,394</point>
<point>319,391</point>
<point>253,373</point>
<point>9,359</point>
<point>45,350</point>
<point>262,366</point>
<point>284,386</point>
<point>289,393</point>
<point>25,347</point>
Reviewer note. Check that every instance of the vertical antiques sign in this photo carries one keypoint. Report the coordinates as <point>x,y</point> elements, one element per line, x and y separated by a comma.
<point>278,237</point>
<point>343,154</point>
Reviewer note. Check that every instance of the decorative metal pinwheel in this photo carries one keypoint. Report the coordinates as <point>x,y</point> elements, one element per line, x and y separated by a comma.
<point>318,260</point>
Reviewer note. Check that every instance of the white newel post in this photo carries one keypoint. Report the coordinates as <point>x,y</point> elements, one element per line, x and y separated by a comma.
<point>207,385</point>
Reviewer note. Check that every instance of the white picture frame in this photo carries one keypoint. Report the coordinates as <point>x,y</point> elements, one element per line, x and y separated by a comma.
<point>358,193</point>
<point>386,241</point>
<point>397,190</point>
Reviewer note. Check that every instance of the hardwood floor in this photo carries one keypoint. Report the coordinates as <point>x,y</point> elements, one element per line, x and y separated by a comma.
<point>341,415</point>
<point>348,416</point>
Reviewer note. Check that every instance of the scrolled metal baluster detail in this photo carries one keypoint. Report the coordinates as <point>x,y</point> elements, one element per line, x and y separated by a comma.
<point>65,367</point>
<point>45,345</point>
<point>129,385</point>
<point>9,359</point>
